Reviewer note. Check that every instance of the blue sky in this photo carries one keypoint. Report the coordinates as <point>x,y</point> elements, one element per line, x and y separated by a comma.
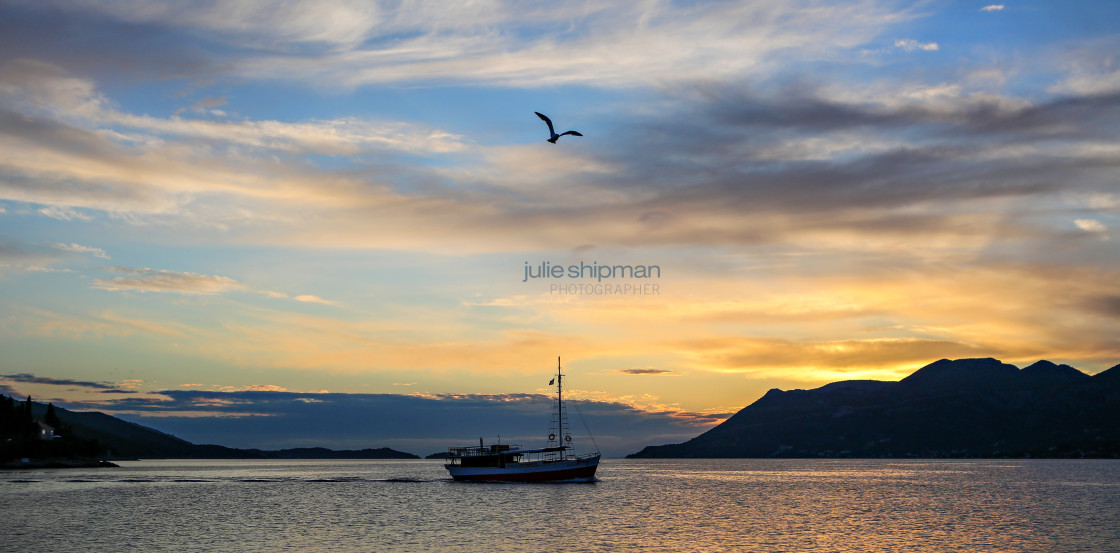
<point>339,196</point>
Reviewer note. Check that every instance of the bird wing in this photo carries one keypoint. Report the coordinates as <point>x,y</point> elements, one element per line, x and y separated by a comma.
<point>573,133</point>
<point>546,120</point>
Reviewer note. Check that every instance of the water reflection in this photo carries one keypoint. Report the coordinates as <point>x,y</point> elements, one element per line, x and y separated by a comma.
<point>654,505</point>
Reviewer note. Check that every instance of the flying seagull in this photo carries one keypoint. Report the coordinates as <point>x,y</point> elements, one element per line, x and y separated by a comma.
<point>553,137</point>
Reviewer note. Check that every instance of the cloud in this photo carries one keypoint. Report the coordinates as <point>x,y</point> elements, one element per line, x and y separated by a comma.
<point>1107,305</point>
<point>255,23</point>
<point>827,361</point>
<point>992,8</point>
<point>645,371</point>
<point>78,248</point>
<point>156,280</point>
<point>1090,225</point>
<point>856,179</point>
<point>423,425</point>
<point>749,139</point>
<point>262,388</point>
<point>206,106</point>
<point>37,269</point>
<point>314,299</point>
<point>38,322</point>
<point>345,136</point>
<point>24,257</point>
<point>67,149</point>
<point>809,168</point>
<point>64,214</point>
<point>55,97</point>
<point>30,30</point>
<point>855,158</point>
<point>26,378</point>
<point>1086,70</point>
<point>851,178</point>
<point>910,45</point>
<point>351,44</point>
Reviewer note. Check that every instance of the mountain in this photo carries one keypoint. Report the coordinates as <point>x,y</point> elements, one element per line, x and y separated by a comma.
<point>1111,376</point>
<point>961,408</point>
<point>124,439</point>
<point>1045,370</point>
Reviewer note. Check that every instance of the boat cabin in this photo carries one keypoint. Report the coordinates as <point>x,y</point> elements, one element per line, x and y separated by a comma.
<point>499,455</point>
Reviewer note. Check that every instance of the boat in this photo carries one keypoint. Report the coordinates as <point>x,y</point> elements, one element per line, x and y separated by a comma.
<point>555,462</point>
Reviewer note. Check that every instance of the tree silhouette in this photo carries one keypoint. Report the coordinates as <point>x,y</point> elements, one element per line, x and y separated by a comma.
<point>19,435</point>
<point>51,417</point>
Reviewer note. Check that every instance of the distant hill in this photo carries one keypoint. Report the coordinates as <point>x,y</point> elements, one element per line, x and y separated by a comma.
<point>961,408</point>
<point>129,440</point>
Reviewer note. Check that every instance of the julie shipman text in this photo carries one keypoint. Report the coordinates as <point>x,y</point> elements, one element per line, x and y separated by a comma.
<point>594,270</point>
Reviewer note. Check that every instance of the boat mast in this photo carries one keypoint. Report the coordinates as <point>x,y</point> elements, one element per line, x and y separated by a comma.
<point>559,400</point>
<point>559,431</point>
<point>565,429</point>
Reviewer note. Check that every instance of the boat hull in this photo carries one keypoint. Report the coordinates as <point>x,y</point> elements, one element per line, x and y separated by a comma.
<point>568,470</point>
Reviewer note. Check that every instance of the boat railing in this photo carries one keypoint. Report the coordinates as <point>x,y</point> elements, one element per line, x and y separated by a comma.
<point>474,450</point>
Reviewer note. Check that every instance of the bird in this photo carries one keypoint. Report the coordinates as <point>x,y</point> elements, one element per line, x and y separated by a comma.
<point>553,137</point>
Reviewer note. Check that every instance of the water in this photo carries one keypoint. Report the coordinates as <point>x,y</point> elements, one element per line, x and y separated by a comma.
<point>646,505</point>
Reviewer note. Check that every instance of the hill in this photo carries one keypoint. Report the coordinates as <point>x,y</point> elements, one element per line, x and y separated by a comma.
<point>125,440</point>
<point>961,408</point>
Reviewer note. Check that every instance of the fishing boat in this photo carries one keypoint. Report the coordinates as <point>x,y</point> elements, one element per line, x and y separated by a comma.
<point>555,462</point>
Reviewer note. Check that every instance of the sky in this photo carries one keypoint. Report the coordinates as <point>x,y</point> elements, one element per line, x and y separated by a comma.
<point>270,224</point>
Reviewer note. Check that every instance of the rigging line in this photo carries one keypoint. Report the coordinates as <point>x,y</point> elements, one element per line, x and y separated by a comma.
<point>585,427</point>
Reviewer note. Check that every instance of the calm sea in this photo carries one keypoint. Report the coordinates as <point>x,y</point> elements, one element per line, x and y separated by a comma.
<point>663,505</point>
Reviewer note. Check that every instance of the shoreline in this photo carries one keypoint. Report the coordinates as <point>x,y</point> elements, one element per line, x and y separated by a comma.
<point>19,464</point>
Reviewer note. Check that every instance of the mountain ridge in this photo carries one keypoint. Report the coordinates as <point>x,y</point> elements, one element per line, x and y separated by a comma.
<point>124,440</point>
<point>949,408</point>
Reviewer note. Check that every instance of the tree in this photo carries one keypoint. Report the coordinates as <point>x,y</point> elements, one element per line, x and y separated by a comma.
<point>8,417</point>
<point>51,417</point>
<point>19,435</point>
